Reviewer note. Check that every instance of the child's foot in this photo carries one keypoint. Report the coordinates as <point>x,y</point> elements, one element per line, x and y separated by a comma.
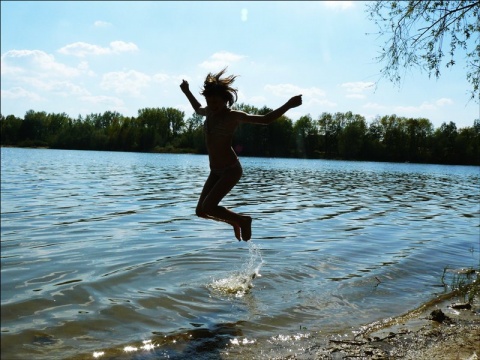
<point>246,226</point>
<point>236,230</point>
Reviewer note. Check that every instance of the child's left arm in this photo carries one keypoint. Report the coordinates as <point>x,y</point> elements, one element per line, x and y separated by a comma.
<point>272,115</point>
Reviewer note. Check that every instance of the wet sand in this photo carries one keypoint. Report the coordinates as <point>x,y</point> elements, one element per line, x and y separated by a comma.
<point>436,330</point>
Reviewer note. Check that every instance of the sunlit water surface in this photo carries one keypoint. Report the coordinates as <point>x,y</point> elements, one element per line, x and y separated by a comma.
<point>102,255</point>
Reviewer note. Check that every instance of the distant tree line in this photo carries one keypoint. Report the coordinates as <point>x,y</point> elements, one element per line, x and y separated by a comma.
<point>331,136</point>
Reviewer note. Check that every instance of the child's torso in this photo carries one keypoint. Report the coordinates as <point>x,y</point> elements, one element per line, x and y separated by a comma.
<point>219,130</point>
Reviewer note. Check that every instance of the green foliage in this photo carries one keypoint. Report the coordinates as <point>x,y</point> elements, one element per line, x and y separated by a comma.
<point>330,136</point>
<point>416,32</point>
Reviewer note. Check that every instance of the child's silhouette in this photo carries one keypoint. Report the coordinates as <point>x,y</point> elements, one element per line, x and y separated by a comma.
<point>220,125</point>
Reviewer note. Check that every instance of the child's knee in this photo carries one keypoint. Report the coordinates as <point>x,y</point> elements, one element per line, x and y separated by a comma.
<point>206,208</point>
<point>200,211</point>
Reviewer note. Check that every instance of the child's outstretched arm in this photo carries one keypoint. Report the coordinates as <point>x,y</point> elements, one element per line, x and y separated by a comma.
<point>272,115</point>
<point>194,102</point>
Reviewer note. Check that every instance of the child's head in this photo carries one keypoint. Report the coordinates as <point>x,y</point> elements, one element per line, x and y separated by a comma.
<point>215,86</point>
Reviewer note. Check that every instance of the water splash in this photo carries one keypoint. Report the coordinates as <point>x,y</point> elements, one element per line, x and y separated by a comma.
<point>239,282</point>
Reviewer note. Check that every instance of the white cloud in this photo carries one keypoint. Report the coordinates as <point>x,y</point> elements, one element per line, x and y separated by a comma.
<point>312,97</point>
<point>20,93</point>
<point>357,87</point>
<point>66,88</point>
<point>37,61</point>
<point>415,110</point>
<point>424,109</point>
<point>82,49</point>
<point>85,68</point>
<point>160,78</point>
<point>59,87</point>
<point>444,101</point>
<point>284,90</point>
<point>122,46</point>
<point>9,69</point>
<point>220,60</point>
<point>322,102</point>
<point>130,82</point>
<point>177,79</point>
<point>102,24</point>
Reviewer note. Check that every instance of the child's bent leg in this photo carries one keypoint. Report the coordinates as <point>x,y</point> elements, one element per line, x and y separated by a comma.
<point>200,212</point>
<point>209,206</point>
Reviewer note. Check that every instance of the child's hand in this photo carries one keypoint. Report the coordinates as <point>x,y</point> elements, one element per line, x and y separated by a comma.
<point>294,101</point>
<point>184,86</point>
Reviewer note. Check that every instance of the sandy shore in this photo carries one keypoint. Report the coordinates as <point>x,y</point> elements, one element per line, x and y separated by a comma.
<point>436,331</point>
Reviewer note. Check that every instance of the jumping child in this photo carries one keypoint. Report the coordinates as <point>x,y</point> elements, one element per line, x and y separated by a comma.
<point>225,169</point>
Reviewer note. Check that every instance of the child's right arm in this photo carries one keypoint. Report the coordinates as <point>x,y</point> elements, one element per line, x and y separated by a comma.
<point>272,115</point>
<point>194,102</point>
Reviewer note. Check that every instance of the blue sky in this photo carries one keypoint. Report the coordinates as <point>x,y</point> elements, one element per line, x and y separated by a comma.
<point>90,57</point>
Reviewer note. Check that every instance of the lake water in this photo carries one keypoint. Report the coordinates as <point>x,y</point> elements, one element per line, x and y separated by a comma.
<point>102,255</point>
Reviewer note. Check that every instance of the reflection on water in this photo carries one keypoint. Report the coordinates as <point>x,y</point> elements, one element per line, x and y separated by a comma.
<point>102,253</point>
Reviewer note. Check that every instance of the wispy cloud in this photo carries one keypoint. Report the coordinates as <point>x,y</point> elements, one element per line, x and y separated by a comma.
<point>444,101</point>
<point>82,49</point>
<point>122,46</point>
<point>160,78</point>
<point>98,103</point>
<point>312,96</point>
<point>22,61</point>
<point>321,102</point>
<point>103,100</point>
<point>220,60</point>
<point>292,90</point>
<point>20,93</point>
<point>102,24</point>
<point>58,87</point>
<point>355,90</point>
<point>424,107</point>
<point>125,82</point>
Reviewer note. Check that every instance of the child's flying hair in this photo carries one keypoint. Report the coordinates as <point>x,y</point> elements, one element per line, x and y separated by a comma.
<point>214,85</point>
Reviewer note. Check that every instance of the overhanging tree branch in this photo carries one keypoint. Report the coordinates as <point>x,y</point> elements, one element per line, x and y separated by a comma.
<point>410,44</point>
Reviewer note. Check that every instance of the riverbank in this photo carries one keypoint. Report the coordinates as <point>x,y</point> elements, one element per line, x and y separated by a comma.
<point>442,330</point>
